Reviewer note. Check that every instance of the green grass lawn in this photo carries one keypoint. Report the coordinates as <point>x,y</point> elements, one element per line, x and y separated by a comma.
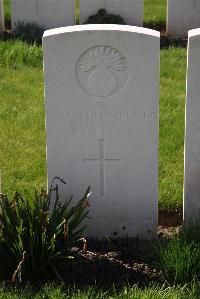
<point>21,117</point>
<point>154,11</point>
<point>153,292</point>
<point>172,114</point>
<point>7,11</point>
<point>22,136</point>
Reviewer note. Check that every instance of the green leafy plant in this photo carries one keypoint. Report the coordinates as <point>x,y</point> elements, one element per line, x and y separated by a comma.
<point>37,235</point>
<point>28,32</point>
<point>103,17</point>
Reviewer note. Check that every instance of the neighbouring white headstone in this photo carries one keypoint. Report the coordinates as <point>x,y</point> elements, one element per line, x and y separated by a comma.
<point>101,91</point>
<point>183,15</point>
<point>192,135</point>
<point>2,26</point>
<point>130,10</point>
<point>89,8</point>
<point>47,13</point>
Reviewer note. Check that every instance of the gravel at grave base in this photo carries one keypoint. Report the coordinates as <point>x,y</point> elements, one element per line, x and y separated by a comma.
<point>109,262</point>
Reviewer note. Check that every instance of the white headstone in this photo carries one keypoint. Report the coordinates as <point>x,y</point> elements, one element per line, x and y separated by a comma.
<point>46,13</point>
<point>183,15</point>
<point>101,91</point>
<point>192,136</point>
<point>2,26</point>
<point>130,10</point>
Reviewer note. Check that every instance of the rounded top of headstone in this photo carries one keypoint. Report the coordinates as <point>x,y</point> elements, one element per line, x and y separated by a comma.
<point>194,32</point>
<point>101,27</point>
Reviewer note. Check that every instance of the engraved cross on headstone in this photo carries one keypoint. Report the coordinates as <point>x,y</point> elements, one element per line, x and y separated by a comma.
<point>102,160</point>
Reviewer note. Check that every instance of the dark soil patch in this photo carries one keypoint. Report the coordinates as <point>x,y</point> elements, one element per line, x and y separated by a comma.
<point>7,25</point>
<point>159,26</point>
<point>115,261</point>
<point>167,42</point>
<point>170,218</point>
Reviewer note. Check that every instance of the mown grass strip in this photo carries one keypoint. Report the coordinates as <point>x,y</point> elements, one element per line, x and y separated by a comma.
<point>55,292</point>
<point>17,53</point>
<point>155,11</point>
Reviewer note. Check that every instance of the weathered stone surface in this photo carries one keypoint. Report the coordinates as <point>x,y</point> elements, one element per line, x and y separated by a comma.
<point>183,15</point>
<point>47,13</point>
<point>101,91</point>
<point>192,136</point>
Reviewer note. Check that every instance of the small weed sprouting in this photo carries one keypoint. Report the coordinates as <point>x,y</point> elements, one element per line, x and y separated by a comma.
<point>36,235</point>
<point>28,32</point>
<point>103,17</point>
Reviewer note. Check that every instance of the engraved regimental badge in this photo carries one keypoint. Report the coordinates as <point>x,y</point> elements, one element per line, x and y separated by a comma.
<point>102,71</point>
